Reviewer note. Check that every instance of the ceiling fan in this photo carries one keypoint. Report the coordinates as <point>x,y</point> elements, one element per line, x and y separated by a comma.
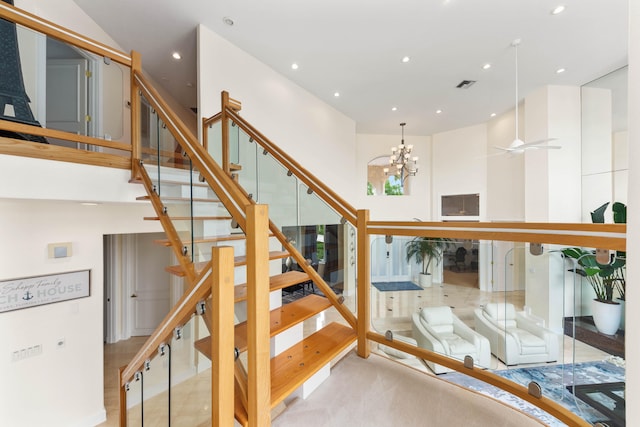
<point>518,146</point>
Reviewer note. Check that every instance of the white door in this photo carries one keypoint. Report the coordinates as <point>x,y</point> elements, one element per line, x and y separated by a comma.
<point>150,289</point>
<point>67,96</point>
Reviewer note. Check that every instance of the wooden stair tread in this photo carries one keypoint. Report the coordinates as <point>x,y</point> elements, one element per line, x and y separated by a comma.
<point>186,218</point>
<point>291,368</point>
<point>238,261</point>
<point>276,282</point>
<point>174,182</point>
<point>181,199</point>
<point>282,318</point>
<point>225,238</point>
<point>213,239</point>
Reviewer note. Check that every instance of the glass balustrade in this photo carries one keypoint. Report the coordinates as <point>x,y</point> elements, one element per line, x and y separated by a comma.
<point>198,217</point>
<point>155,388</point>
<point>317,231</point>
<point>521,314</point>
<point>190,376</point>
<point>174,386</point>
<point>68,89</point>
<point>134,401</point>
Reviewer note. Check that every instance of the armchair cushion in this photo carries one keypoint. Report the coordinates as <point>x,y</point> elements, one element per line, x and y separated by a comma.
<point>514,339</point>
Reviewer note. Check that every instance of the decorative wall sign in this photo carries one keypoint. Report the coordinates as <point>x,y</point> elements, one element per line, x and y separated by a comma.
<point>39,290</point>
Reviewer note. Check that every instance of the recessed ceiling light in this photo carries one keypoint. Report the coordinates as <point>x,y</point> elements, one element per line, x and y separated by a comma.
<point>493,114</point>
<point>560,70</point>
<point>228,21</point>
<point>438,111</point>
<point>558,9</point>
<point>394,108</point>
<point>406,59</point>
<point>176,55</point>
<point>89,204</point>
<point>294,66</point>
<point>486,66</point>
<point>336,94</point>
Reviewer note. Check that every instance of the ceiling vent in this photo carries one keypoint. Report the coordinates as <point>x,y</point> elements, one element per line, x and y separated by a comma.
<point>465,84</point>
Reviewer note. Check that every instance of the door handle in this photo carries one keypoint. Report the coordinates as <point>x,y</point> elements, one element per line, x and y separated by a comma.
<point>134,296</point>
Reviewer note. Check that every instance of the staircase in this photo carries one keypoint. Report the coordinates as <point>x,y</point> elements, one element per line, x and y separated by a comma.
<point>195,219</point>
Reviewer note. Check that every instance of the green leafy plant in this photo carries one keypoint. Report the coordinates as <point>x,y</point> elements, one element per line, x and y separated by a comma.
<point>603,278</point>
<point>425,250</point>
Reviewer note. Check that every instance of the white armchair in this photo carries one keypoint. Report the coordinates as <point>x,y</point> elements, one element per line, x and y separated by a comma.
<point>514,338</point>
<point>439,330</point>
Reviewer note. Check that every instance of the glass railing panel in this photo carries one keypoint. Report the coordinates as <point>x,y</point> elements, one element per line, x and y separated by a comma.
<point>155,388</point>
<point>65,88</point>
<point>425,295</point>
<point>247,159</point>
<point>527,306</point>
<point>214,141</point>
<point>190,377</point>
<point>134,401</point>
<point>278,188</point>
<point>234,142</point>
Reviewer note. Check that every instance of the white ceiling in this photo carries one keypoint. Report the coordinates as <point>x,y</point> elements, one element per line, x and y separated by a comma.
<point>355,47</point>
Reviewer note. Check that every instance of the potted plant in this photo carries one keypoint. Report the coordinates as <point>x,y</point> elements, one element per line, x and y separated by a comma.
<point>425,250</point>
<point>619,211</point>
<point>603,278</point>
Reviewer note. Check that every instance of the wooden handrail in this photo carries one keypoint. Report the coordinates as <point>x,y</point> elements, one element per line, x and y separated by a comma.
<point>36,150</point>
<point>609,236</point>
<point>58,134</point>
<point>19,16</point>
<point>221,183</point>
<point>544,403</point>
<point>178,315</point>
<point>329,196</point>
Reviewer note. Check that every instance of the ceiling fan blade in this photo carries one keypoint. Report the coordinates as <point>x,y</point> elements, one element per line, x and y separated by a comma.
<point>536,143</point>
<point>506,150</point>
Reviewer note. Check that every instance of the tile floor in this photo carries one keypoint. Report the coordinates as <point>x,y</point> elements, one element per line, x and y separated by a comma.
<point>389,310</point>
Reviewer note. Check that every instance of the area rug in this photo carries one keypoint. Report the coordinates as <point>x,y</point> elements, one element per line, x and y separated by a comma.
<point>396,286</point>
<point>553,379</point>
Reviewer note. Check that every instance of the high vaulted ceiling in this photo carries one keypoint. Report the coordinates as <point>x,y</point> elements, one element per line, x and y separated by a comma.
<point>355,47</point>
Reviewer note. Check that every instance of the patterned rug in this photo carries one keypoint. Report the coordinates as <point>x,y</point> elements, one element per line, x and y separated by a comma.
<point>553,379</point>
<point>396,286</point>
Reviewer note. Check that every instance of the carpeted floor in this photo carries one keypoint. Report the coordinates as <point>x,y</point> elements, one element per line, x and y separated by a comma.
<point>553,379</point>
<point>377,392</point>
<point>396,286</point>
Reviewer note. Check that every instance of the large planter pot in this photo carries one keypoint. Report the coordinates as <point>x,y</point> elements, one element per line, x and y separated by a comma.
<point>621,301</point>
<point>606,316</point>
<point>424,280</point>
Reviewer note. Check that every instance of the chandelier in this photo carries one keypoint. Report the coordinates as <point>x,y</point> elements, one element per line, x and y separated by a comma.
<point>401,163</point>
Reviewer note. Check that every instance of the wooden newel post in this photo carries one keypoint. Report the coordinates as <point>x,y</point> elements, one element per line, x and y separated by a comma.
<point>364,284</point>
<point>258,334</point>
<point>136,149</point>
<point>222,337</point>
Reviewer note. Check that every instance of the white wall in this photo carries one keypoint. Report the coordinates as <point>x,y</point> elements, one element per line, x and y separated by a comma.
<point>459,166</point>
<point>64,384</point>
<point>632,341</point>
<point>318,136</point>
<point>398,208</point>
<point>505,172</point>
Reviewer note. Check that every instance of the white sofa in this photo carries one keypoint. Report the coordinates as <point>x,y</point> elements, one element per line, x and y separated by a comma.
<point>439,330</point>
<point>514,338</point>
